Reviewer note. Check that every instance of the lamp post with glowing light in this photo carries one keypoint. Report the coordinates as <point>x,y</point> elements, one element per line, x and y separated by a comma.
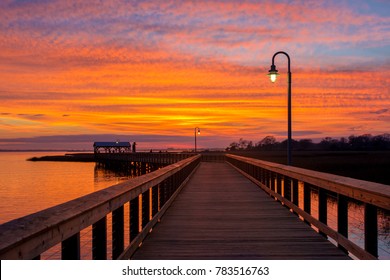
<point>273,73</point>
<point>196,131</point>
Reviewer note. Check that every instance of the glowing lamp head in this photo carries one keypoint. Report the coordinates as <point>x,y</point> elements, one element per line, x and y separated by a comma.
<point>198,131</point>
<point>273,73</point>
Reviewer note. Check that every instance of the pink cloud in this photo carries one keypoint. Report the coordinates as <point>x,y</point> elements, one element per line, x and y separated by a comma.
<point>79,58</point>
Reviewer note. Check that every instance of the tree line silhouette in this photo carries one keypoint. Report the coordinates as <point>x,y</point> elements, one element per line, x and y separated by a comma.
<point>365,142</point>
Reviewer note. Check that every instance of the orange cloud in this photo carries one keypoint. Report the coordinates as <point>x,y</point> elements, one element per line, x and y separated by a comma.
<point>163,68</point>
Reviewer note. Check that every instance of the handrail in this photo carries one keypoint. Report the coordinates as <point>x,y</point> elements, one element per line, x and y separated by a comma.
<point>30,236</point>
<point>154,157</point>
<point>269,177</point>
<point>364,191</point>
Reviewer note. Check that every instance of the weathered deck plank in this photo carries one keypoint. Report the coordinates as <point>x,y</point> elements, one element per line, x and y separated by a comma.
<point>222,215</point>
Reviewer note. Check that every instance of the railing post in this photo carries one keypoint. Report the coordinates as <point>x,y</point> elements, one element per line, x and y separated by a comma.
<point>176,178</point>
<point>168,185</point>
<point>171,181</point>
<point>267,178</point>
<point>307,198</point>
<point>154,200</point>
<point>279,179</point>
<point>371,229</point>
<point>159,197</point>
<point>161,187</point>
<point>252,171</point>
<point>287,188</point>
<point>117,232</point>
<point>262,176</point>
<point>134,218</point>
<point>99,239</point>
<point>322,208</point>
<point>71,248</point>
<point>145,208</point>
<point>165,185</point>
<point>256,173</point>
<point>272,178</point>
<point>295,192</point>
<point>342,217</point>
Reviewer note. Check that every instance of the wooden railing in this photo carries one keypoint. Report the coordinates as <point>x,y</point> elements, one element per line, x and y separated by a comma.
<point>281,182</point>
<point>154,157</point>
<point>149,195</point>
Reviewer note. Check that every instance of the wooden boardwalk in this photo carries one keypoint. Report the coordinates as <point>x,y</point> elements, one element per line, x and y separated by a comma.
<point>220,214</point>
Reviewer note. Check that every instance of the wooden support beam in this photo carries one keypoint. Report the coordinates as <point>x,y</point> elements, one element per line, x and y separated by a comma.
<point>70,249</point>
<point>279,179</point>
<point>155,201</point>
<point>322,208</point>
<point>342,217</point>
<point>134,218</point>
<point>118,232</point>
<point>287,187</point>
<point>145,208</point>
<point>307,198</point>
<point>99,239</point>
<point>295,192</point>
<point>371,229</point>
<point>273,181</point>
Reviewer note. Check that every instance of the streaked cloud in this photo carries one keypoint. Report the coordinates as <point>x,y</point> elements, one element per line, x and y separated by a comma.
<point>164,67</point>
<point>381,111</point>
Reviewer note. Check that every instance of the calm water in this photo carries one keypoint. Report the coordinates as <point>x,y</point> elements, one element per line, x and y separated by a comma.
<point>355,221</point>
<point>27,187</point>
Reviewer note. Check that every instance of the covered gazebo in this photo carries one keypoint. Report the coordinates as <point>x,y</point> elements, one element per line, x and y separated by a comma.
<point>111,147</point>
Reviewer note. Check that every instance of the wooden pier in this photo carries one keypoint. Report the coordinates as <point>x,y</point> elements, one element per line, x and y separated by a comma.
<point>220,214</point>
<point>209,206</point>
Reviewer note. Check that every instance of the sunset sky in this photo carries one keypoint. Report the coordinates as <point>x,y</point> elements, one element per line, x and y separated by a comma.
<point>74,72</point>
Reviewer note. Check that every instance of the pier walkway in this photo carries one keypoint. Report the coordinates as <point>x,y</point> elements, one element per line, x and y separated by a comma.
<point>210,206</point>
<point>221,214</point>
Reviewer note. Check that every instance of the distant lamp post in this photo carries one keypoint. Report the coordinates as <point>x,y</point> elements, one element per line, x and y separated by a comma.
<point>273,73</point>
<point>196,131</point>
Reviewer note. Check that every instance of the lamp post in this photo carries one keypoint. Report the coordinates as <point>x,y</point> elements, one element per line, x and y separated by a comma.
<point>273,73</point>
<point>196,131</point>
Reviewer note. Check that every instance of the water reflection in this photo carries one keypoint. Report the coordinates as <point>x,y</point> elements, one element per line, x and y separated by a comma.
<point>107,174</point>
<point>355,220</point>
<point>120,171</point>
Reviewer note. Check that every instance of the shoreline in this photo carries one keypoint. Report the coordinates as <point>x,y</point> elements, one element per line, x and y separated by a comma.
<point>80,157</point>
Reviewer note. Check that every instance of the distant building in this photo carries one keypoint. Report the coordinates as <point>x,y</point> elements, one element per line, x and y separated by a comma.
<point>111,147</point>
